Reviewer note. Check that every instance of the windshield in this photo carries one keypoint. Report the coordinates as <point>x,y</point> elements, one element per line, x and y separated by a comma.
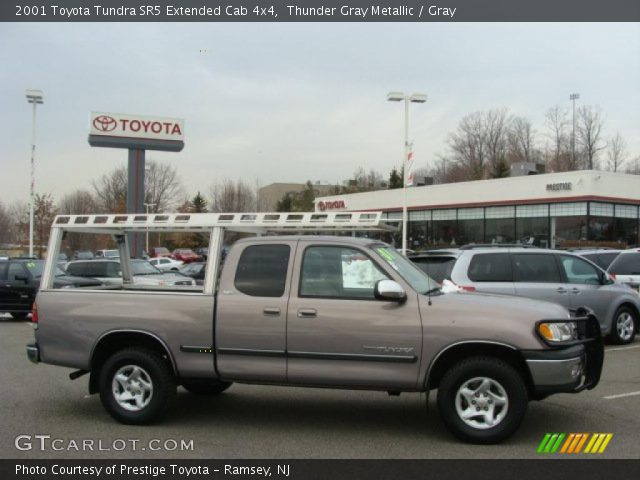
<point>142,267</point>
<point>415,277</point>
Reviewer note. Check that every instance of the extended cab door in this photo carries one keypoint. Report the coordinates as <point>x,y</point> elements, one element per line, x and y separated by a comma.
<point>338,333</point>
<point>251,313</point>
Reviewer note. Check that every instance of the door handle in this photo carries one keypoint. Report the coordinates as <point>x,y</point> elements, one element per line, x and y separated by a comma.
<point>561,290</point>
<point>575,291</point>
<point>271,311</point>
<point>307,313</point>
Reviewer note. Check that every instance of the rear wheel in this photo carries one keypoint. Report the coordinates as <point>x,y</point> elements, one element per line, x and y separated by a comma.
<point>624,326</point>
<point>482,400</point>
<point>203,387</point>
<point>136,385</point>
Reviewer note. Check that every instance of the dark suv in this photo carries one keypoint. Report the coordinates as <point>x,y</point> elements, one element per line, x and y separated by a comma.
<point>19,282</point>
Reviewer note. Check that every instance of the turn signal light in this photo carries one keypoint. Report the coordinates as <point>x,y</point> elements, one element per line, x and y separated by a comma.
<point>468,288</point>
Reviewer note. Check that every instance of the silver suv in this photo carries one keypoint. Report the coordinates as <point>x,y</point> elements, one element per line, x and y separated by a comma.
<point>552,275</point>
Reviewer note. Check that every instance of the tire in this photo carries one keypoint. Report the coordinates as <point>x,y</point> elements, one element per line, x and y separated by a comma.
<point>624,326</point>
<point>148,375</point>
<point>475,374</point>
<point>20,315</point>
<point>213,387</point>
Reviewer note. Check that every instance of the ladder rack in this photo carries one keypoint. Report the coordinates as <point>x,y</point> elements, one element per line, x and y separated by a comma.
<point>237,222</point>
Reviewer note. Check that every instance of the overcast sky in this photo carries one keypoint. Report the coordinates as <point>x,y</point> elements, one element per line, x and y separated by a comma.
<point>289,102</point>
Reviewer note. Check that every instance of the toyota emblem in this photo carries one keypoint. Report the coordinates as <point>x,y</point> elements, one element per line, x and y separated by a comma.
<point>322,206</point>
<point>104,123</point>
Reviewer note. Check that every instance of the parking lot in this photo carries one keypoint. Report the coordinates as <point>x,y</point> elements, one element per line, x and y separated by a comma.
<point>275,422</point>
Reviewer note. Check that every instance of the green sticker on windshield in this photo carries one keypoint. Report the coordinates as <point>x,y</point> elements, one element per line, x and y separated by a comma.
<point>31,265</point>
<point>384,254</point>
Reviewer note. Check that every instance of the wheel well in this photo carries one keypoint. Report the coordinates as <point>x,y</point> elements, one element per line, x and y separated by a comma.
<point>112,342</point>
<point>635,310</point>
<point>456,353</point>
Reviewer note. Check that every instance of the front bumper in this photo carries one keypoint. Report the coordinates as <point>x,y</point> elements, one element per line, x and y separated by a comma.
<point>33,352</point>
<point>569,368</point>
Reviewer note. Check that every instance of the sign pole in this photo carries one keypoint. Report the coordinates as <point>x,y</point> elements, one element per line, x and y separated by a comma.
<point>135,196</point>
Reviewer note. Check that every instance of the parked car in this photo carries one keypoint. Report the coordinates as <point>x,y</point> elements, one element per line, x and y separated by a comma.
<point>19,282</point>
<point>110,272</point>
<point>436,263</point>
<point>166,264</point>
<point>62,257</point>
<point>83,255</point>
<point>155,252</point>
<point>626,268</point>
<point>600,256</point>
<point>186,255</point>
<point>195,270</point>
<point>108,254</point>
<point>551,275</point>
<point>203,253</point>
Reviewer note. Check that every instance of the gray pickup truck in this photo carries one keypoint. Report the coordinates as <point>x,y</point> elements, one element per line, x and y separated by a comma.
<point>312,311</point>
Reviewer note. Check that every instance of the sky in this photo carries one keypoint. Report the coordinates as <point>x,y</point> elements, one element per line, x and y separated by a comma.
<point>271,102</point>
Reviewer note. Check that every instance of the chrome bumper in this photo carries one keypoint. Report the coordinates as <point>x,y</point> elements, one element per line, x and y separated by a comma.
<point>561,373</point>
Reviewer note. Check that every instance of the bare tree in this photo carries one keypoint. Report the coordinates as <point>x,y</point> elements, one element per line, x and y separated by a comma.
<point>19,216</point>
<point>588,132</point>
<point>521,138</point>
<point>162,188</point>
<point>6,225</point>
<point>77,202</point>
<point>633,166</point>
<point>111,191</point>
<point>44,212</point>
<point>495,132</point>
<point>616,154</point>
<point>468,145</point>
<point>559,157</point>
<point>232,196</point>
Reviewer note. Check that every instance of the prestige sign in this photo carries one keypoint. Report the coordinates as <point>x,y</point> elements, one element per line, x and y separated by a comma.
<point>135,131</point>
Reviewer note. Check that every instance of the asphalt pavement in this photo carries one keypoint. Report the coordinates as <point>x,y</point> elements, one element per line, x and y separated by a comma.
<point>48,416</point>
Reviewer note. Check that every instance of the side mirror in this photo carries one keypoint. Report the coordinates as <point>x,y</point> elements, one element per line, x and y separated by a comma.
<point>389,290</point>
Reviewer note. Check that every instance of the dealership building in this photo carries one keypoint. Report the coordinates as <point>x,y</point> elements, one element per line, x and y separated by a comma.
<point>556,210</point>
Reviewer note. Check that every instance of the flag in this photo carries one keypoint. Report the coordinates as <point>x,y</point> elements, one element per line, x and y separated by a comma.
<point>410,176</point>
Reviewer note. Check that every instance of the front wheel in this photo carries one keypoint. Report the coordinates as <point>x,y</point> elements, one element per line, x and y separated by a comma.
<point>482,400</point>
<point>136,385</point>
<point>623,330</point>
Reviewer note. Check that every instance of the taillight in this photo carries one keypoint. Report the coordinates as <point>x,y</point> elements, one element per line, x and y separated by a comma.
<point>612,275</point>
<point>34,313</point>
<point>467,288</point>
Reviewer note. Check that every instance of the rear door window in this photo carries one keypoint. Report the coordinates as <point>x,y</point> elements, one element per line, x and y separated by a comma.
<point>490,267</point>
<point>262,270</point>
<point>535,268</point>
<point>76,269</point>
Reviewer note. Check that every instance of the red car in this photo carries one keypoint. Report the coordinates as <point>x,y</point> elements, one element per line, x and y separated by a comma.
<point>186,255</point>
<point>156,252</point>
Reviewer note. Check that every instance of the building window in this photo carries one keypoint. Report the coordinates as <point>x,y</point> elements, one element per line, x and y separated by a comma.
<point>568,223</point>
<point>532,225</point>
<point>499,224</point>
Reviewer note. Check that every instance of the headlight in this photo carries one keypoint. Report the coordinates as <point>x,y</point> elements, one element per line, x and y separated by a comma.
<point>558,332</point>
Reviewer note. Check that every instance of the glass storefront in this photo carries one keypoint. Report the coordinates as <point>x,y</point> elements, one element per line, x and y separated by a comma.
<point>561,225</point>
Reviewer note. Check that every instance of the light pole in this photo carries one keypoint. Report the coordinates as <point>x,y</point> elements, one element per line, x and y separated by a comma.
<point>573,97</point>
<point>148,206</point>
<point>414,98</point>
<point>34,97</point>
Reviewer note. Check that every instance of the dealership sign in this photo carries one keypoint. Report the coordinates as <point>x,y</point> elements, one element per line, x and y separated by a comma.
<point>135,131</point>
<point>331,205</point>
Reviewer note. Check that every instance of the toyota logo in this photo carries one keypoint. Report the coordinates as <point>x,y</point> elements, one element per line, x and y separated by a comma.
<point>322,206</point>
<point>104,123</point>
